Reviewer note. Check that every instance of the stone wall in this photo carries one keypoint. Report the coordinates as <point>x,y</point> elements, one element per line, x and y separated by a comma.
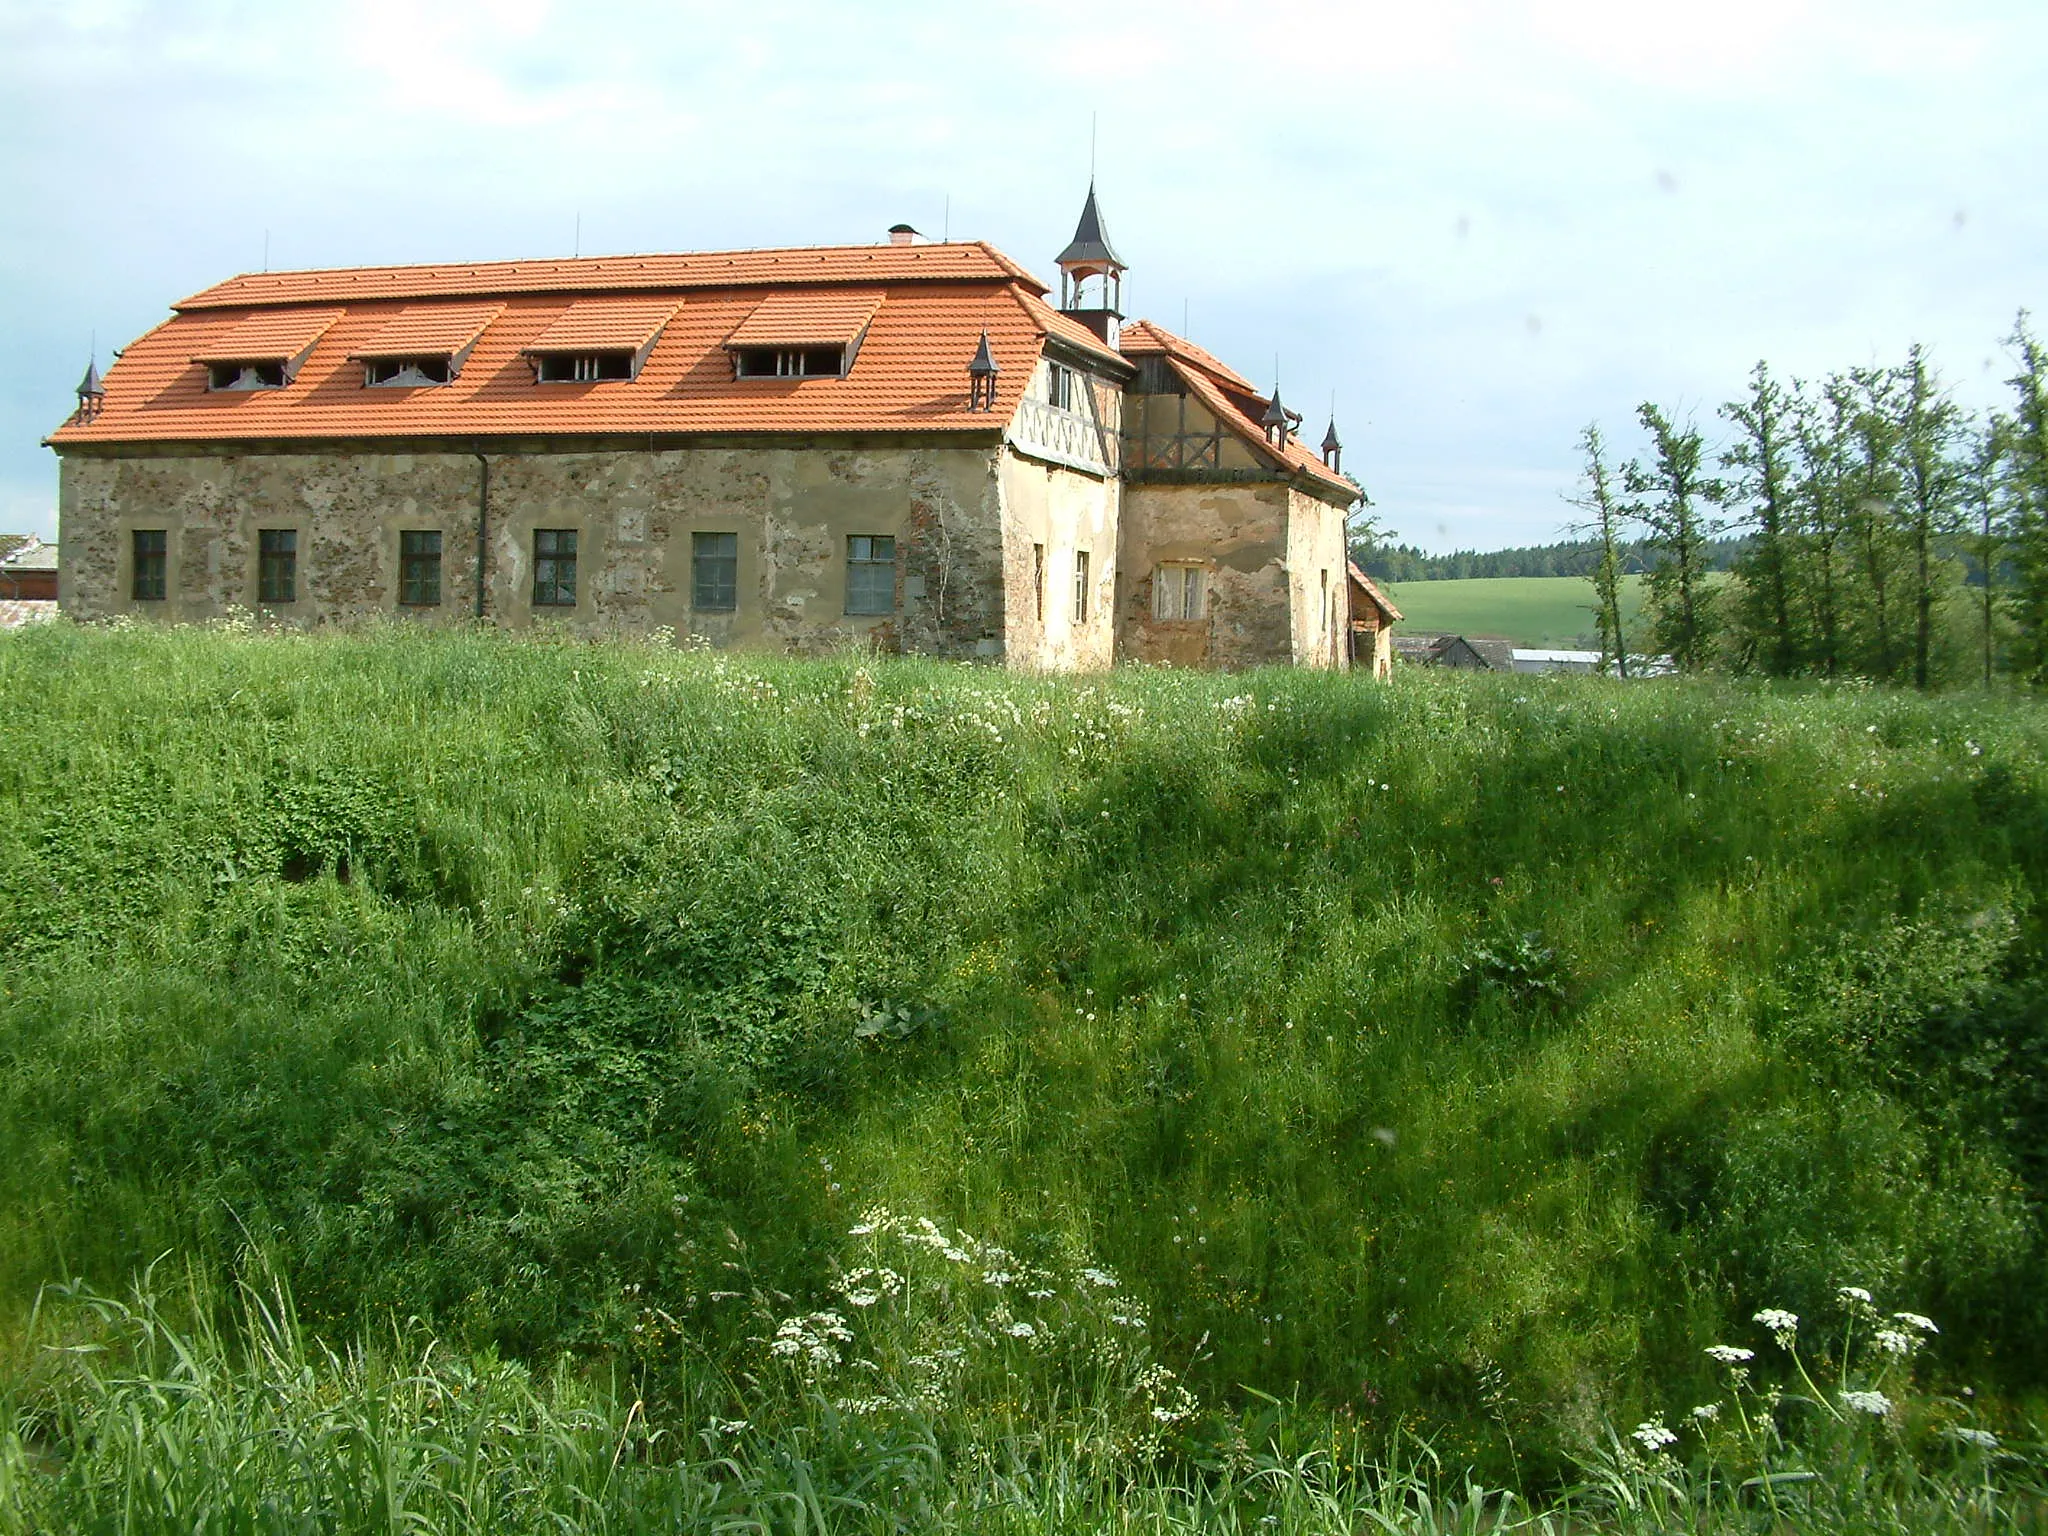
<point>1238,534</point>
<point>793,508</point>
<point>1318,581</point>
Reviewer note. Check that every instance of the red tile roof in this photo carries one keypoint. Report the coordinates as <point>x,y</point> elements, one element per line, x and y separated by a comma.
<point>1378,598</point>
<point>829,317</point>
<point>604,325</point>
<point>1073,332</point>
<point>1142,336</point>
<point>1224,406</point>
<point>910,375</point>
<point>974,261</point>
<point>429,330</point>
<point>275,337</point>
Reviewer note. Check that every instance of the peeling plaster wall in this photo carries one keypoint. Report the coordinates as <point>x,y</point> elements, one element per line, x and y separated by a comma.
<point>1238,533</point>
<point>792,507</point>
<point>1062,511</point>
<point>1318,581</point>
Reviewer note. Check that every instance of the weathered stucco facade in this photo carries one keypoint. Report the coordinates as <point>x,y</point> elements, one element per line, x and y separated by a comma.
<point>790,451</point>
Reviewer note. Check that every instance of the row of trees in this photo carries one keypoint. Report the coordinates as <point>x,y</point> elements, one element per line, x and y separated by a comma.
<point>1568,557</point>
<point>1888,533</point>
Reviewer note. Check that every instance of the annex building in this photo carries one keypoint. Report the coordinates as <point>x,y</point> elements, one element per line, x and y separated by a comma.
<point>903,445</point>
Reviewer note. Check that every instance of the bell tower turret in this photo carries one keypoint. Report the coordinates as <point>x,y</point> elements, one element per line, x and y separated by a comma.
<point>1089,260</point>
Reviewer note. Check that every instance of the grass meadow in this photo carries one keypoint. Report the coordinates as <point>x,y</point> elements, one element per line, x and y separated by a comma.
<point>1541,612</point>
<point>450,1082</point>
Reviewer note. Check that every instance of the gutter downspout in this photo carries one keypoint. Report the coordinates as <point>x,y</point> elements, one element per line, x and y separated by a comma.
<point>483,517</point>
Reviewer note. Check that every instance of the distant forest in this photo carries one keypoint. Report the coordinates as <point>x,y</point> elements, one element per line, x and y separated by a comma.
<point>1573,557</point>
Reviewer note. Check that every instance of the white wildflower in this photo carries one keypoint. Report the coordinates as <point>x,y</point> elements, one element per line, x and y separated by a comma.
<point>1783,1324</point>
<point>997,1277</point>
<point>1983,1439</point>
<point>1915,1320</point>
<point>1021,1330</point>
<point>1893,1342</point>
<point>1041,1294</point>
<point>1652,1436</point>
<point>1100,1278</point>
<point>1706,1413</point>
<point>1873,1403</point>
<point>1730,1354</point>
<point>1853,1293</point>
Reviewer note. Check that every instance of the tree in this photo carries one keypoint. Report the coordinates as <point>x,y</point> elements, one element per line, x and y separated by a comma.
<point>1930,432</point>
<point>1761,458</point>
<point>1670,493</point>
<point>1985,543</point>
<point>1874,485</point>
<point>1822,430</point>
<point>1599,499</point>
<point>2026,488</point>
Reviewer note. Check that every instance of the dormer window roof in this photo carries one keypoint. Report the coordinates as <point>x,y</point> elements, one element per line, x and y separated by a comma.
<point>423,345</point>
<point>599,339</point>
<point>264,351</point>
<point>803,335</point>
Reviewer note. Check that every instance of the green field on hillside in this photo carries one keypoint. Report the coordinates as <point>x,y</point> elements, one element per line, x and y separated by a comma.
<point>1545,612</point>
<point>462,1083</point>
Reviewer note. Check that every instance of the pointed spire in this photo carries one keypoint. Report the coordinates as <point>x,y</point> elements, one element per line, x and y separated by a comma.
<point>1333,445</point>
<point>981,378</point>
<point>1275,420</point>
<point>90,390</point>
<point>1091,241</point>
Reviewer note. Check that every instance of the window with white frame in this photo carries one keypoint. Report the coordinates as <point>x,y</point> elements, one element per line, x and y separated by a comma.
<point>1178,591</point>
<point>1080,586</point>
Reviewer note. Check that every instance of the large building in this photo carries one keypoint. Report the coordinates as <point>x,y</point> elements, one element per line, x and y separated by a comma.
<point>902,445</point>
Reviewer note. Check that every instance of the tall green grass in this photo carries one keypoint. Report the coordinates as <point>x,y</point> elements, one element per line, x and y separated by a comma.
<point>1454,1057</point>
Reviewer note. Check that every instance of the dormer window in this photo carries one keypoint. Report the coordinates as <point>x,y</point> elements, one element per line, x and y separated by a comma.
<point>596,341</point>
<point>264,351</point>
<point>582,367</point>
<point>245,376</point>
<point>406,372</point>
<point>423,345</point>
<point>1059,386</point>
<point>789,362</point>
<point>803,335</point>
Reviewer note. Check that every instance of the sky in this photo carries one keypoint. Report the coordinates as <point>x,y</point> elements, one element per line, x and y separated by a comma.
<point>1471,228</point>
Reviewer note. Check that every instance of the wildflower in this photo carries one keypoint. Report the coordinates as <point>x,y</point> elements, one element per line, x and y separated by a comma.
<point>1983,1439</point>
<point>1706,1413</point>
<point>1874,1403</point>
<point>1915,1320</point>
<point>1100,1278</point>
<point>1783,1324</point>
<point>1730,1354</point>
<point>1021,1330</point>
<point>1652,1436</point>
<point>1041,1294</point>
<point>1853,1293</point>
<point>1893,1342</point>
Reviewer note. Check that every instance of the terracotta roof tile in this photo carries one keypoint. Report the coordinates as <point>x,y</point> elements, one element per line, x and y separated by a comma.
<point>828,317</point>
<point>1372,591</point>
<point>429,330</point>
<point>910,375</point>
<point>962,261</point>
<point>1294,456</point>
<point>1073,332</point>
<point>589,325</point>
<point>1143,336</point>
<point>269,337</point>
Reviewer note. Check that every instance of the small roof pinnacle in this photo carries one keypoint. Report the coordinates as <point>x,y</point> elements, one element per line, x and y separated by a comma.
<point>984,364</point>
<point>1091,240</point>
<point>1276,413</point>
<point>89,386</point>
<point>1331,442</point>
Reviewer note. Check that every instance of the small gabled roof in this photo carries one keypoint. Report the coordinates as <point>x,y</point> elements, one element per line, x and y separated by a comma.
<point>1141,338</point>
<point>605,325</point>
<point>1090,245</point>
<point>1369,590</point>
<point>831,317</point>
<point>428,330</point>
<point>271,337</point>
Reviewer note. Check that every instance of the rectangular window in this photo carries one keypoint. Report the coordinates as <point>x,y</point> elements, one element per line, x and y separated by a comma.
<point>151,545</point>
<point>870,573</point>
<point>714,572</point>
<point>245,376</point>
<point>1177,592</point>
<point>277,565</point>
<point>789,362</point>
<point>584,367</point>
<point>419,567</point>
<point>1080,586</point>
<point>554,567</point>
<point>405,372</point>
<point>1038,581</point>
<point>1059,386</point>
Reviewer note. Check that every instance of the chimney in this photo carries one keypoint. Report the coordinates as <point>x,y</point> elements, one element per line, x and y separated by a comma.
<point>902,234</point>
